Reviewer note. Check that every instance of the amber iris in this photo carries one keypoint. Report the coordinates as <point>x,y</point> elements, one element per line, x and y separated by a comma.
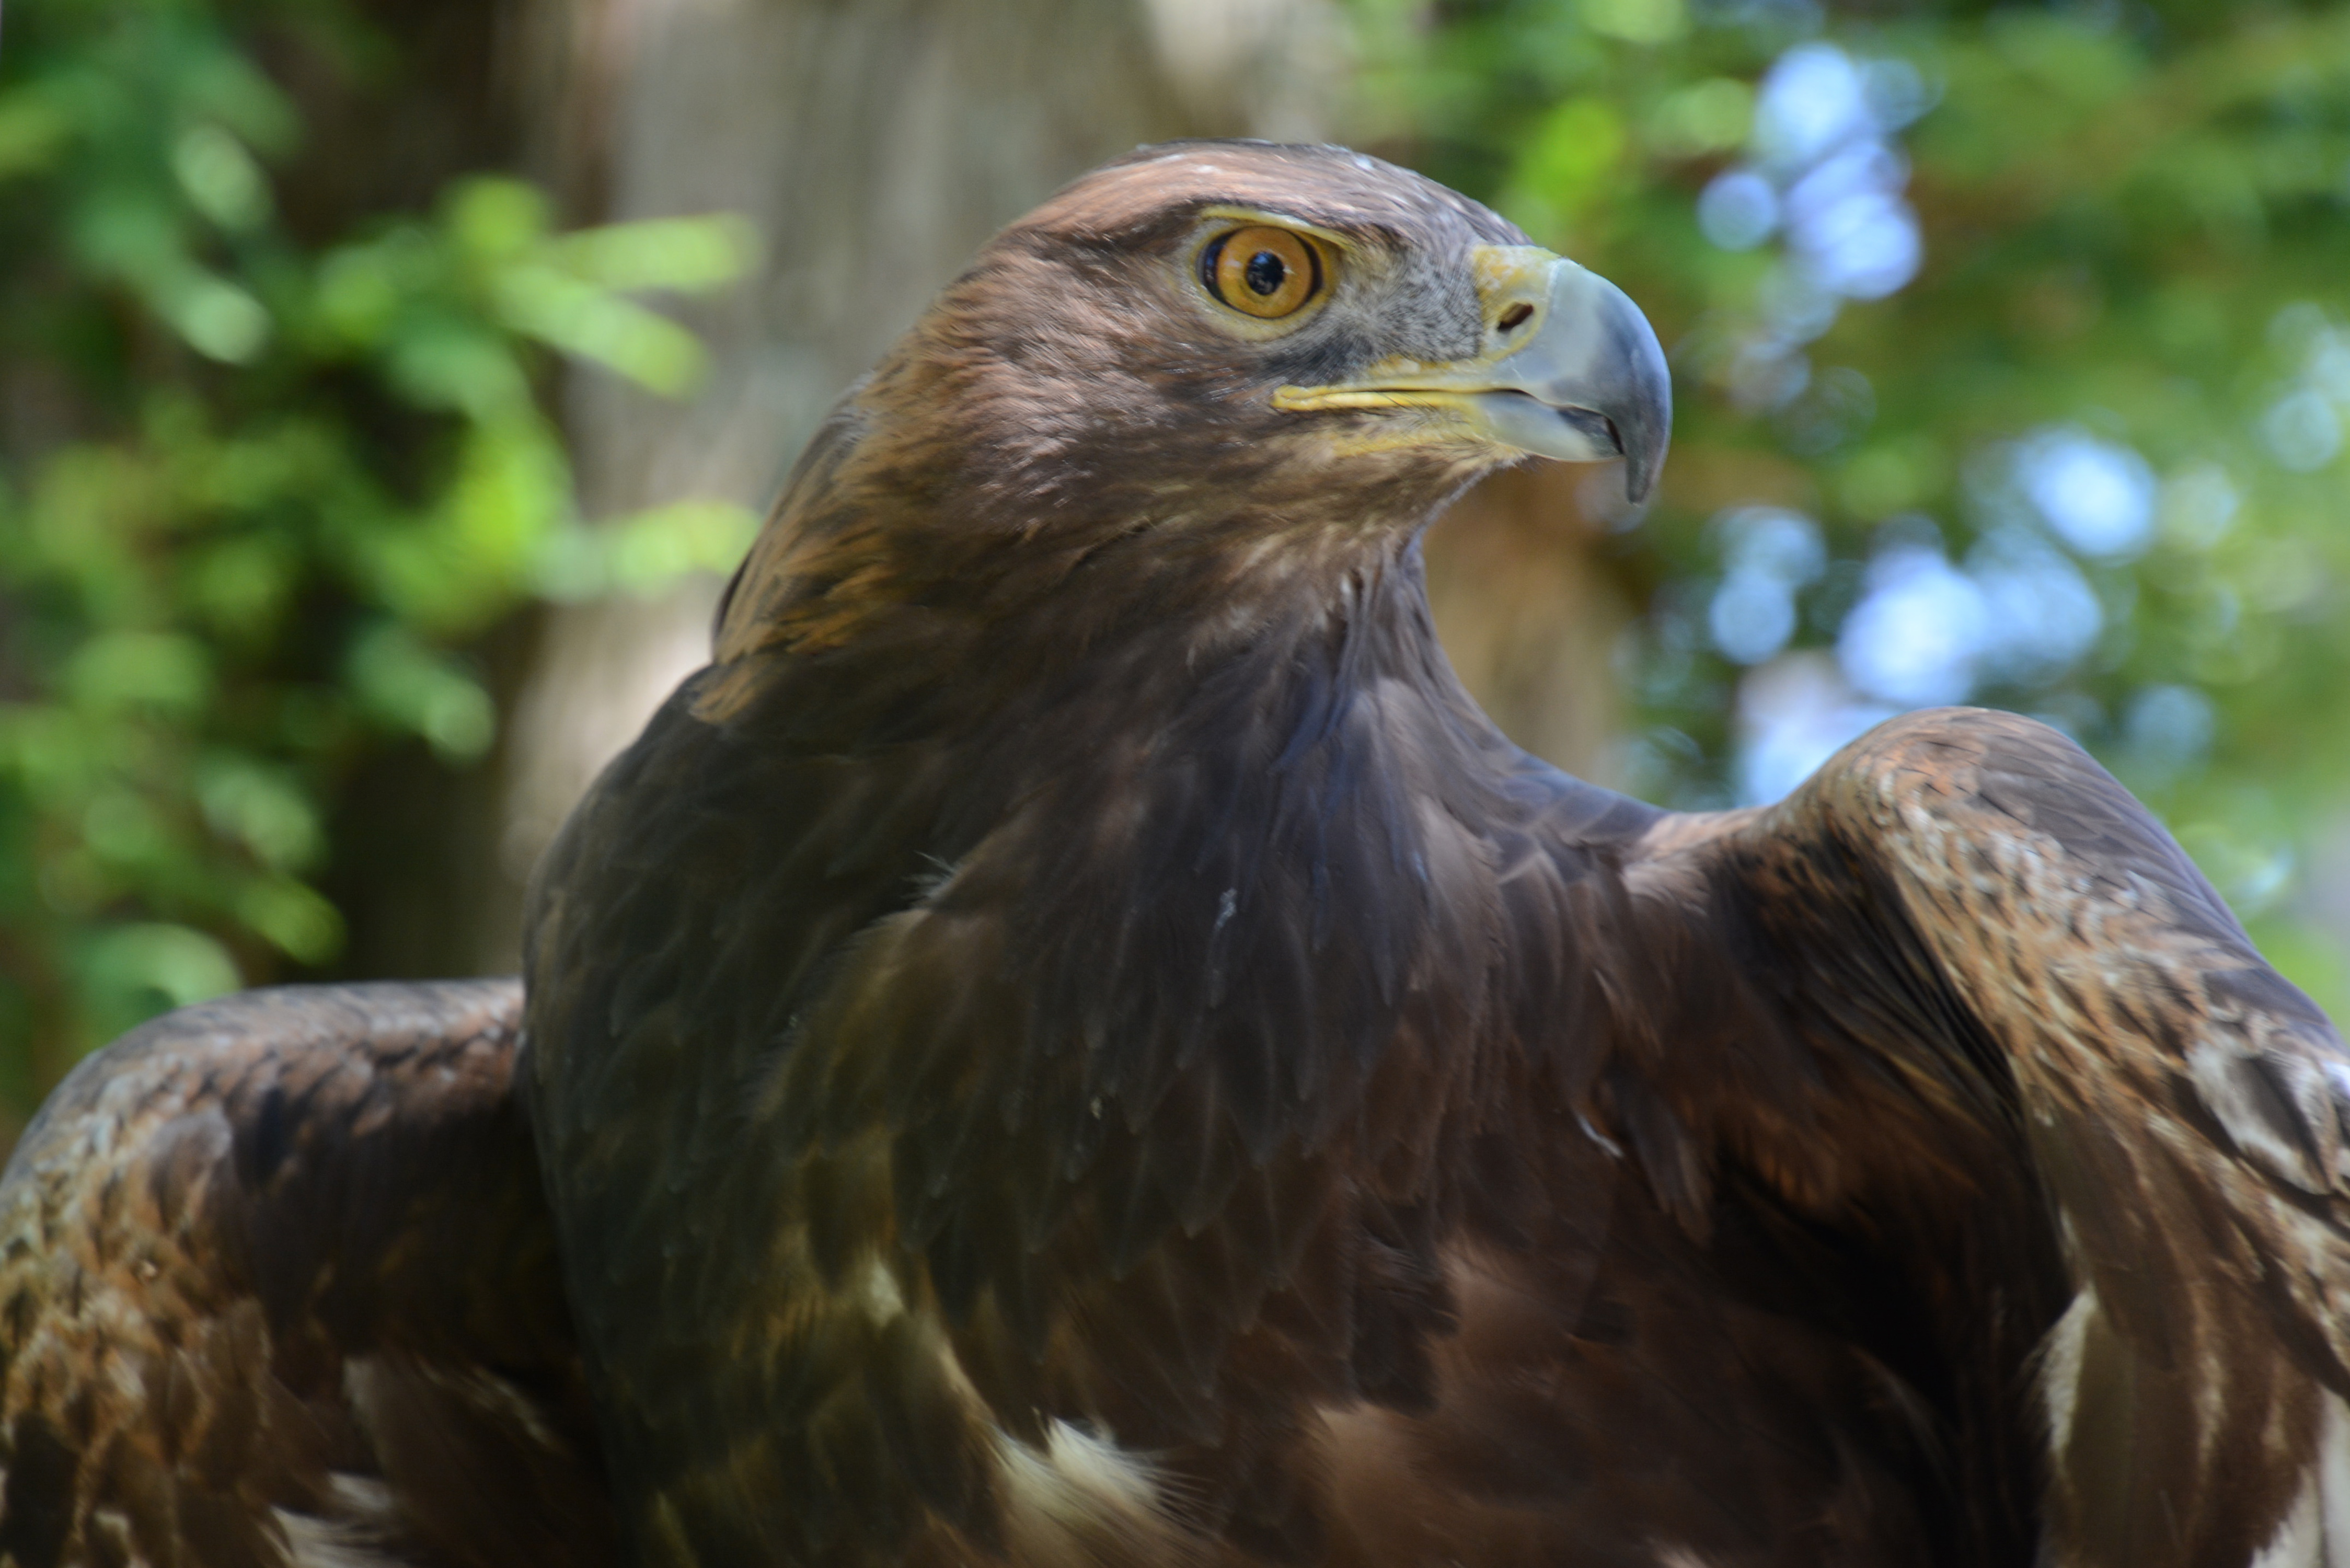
<point>1266,272</point>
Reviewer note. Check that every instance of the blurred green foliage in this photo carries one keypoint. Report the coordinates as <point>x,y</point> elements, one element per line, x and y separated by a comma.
<point>258,491</point>
<point>2094,445</point>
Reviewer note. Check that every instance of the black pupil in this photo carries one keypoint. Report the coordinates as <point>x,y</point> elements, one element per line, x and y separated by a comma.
<point>1264,273</point>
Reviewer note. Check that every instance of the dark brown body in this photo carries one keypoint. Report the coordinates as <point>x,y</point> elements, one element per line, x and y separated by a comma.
<point>1073,1041</point>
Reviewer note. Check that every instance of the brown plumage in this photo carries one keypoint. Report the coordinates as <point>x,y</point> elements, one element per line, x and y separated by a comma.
<point>1074,1041</point>
<point>276,1281</point>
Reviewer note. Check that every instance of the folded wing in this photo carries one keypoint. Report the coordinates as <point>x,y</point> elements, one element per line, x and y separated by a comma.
<point>2019,993</point>
<point>278,1285</point>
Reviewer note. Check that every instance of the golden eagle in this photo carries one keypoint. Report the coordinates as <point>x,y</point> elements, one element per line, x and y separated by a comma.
<point>1073,1041</point>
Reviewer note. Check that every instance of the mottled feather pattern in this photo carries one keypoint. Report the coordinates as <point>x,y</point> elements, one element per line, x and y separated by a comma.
<point>275,1278</point>
<point>2184,1103</point>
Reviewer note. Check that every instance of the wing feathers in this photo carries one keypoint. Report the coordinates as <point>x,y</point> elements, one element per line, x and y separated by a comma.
<point>2075,979</point>
<point>279,1276</point>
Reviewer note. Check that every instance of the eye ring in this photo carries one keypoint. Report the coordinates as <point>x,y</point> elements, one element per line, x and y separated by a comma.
<point>1261,271</point>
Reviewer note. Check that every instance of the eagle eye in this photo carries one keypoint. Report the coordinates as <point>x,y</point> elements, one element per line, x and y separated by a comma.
<point>1261,271</point>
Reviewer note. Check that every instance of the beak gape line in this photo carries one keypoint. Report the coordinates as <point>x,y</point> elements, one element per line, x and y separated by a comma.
<point>1571,369</point>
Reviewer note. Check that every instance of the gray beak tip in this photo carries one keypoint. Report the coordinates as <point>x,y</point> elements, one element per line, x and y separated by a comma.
<point>1597,356</point>
<point>1641,406</point>
<point>1640,481</point>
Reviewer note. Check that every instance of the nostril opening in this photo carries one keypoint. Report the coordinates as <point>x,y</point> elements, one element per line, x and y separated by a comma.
<point>1515,317</point>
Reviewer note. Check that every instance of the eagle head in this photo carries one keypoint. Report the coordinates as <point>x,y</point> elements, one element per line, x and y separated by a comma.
<point>1225,351</point>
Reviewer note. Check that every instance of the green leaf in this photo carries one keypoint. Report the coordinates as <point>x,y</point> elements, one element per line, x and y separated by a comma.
<point>221,178</point>
<point>583,320</point>
<point>647,551</point>
<point>688,255</point>
<point>162,673</point>
<point>295,918</point>
<point>1637,21</point>
<point>34,133</point>
<point>410,687</point>
<point>133,971</point>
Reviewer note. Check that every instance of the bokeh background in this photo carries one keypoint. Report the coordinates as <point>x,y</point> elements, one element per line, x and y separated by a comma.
<point>386,386</point>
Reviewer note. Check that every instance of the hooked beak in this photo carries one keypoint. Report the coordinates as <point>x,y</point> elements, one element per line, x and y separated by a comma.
<point>1571,369</point>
